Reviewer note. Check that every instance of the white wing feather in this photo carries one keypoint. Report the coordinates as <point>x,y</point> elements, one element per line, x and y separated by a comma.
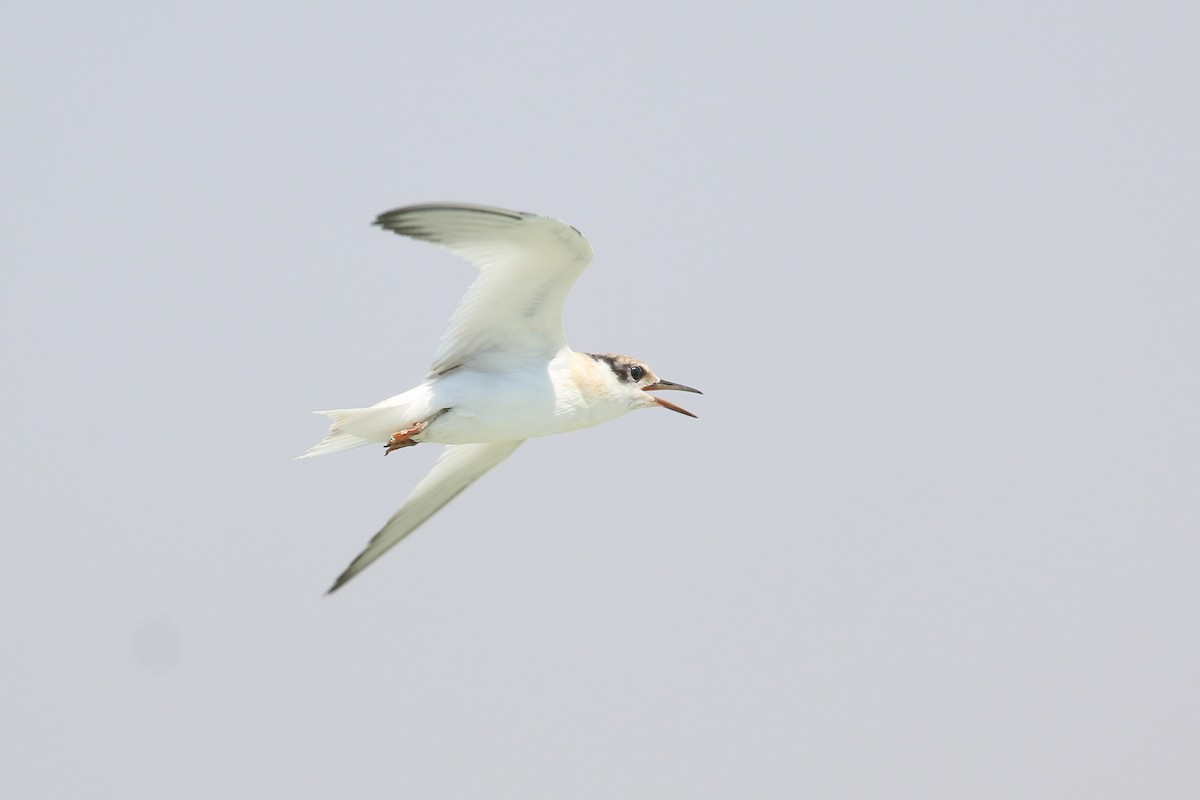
<point>512,314</point>
<point>457,468</point>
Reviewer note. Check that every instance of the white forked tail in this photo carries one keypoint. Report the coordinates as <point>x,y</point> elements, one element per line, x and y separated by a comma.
<point>337,439</point>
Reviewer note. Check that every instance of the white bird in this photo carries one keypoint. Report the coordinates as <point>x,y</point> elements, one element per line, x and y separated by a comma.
<point>503,371</point>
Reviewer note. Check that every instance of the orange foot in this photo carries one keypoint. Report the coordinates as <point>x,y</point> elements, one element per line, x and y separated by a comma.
<point>404,438</point>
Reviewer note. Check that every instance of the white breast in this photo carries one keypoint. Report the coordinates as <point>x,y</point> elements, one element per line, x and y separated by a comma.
<point>563,395</point>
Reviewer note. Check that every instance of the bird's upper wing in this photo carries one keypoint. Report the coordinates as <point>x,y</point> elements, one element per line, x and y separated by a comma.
<point>458,467</point>
<point>512,314</point>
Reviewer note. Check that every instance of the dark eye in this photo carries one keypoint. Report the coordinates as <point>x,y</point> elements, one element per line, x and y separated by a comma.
<point>636,373</point>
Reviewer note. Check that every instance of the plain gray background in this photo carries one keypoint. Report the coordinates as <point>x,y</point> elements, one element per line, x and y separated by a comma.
<point>935,535</point>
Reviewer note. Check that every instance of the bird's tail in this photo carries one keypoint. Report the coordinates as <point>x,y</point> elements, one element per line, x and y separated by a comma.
<point>337,439</point>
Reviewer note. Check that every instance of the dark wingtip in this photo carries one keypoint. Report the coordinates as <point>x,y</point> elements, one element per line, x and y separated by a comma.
<point>339,583</point>
<point>470,208</point>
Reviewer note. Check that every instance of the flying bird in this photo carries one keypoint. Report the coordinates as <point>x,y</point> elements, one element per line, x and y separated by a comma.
<point>502,372</point>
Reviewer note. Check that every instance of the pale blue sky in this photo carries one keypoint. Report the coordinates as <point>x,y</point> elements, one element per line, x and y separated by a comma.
<point>935,535</point>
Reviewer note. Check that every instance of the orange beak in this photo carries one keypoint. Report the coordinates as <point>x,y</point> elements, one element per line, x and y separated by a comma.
<point>677,387</point>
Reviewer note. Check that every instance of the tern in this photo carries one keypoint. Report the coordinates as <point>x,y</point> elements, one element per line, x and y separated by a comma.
<point>502,372</point>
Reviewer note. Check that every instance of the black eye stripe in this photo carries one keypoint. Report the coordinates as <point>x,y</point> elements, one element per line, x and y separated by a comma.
<point>626,372</point>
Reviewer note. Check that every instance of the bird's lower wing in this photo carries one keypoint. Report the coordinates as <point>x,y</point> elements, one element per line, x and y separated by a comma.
<point>459,466</point>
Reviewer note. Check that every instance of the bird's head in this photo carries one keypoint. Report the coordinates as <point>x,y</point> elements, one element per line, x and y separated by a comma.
<point>633,380</point>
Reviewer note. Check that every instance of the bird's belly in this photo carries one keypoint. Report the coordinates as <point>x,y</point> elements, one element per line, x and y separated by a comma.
<point>496,421</point>
<point>507,408</point>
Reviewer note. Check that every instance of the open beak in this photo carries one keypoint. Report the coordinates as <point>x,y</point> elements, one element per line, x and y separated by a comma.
<point>678,387</point>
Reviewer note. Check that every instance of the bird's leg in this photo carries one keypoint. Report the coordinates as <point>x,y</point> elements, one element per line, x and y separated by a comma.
<point>404,438</point>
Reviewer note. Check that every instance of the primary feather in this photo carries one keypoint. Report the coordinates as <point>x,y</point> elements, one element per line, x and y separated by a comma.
<point>458,467</point>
